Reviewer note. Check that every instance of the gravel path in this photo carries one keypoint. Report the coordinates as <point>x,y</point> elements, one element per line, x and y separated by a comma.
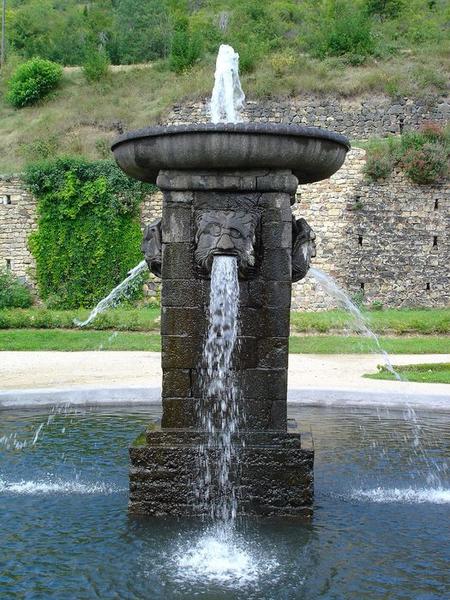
<point>25,370</point>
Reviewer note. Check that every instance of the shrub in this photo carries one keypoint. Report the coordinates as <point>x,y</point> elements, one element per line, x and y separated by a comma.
<point>96,65</point>
<point>13,293</point>
<point>426,164</point>
<point>88,234</point>
<point>344,30</point>
<point>379,165</point>
<point>32,81</point>
<point>186,47</point>
<point>385,8</point>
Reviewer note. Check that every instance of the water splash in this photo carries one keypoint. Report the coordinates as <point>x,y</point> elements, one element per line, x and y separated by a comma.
<point>114,297</point>
<point>219,411</point>
<point>221,556</point>
<point>329,285</point>
<point>406,495</point>
<point>56,486</point>
<point>227,97</point>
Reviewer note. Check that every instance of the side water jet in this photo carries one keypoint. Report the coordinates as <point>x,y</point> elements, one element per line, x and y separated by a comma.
<point>329,286</point>
<point>115,295</point>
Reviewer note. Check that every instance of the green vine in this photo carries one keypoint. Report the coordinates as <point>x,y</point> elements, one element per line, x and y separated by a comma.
<point>88,234</point>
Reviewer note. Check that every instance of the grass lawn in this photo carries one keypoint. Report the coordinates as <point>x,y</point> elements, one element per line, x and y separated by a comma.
<point>389,321</point>
<point>423,373</point>
<point>75,340</point>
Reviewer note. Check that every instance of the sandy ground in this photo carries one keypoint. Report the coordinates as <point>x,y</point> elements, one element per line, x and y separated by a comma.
<point>25,370</point>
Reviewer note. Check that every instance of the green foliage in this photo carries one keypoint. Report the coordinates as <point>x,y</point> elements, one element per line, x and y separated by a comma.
<point>379,165</point>
<point>344,29</point>
<point>422,373</point>
<point>96,65</point>
<point>423,155</point>
<point>13,293</point>
<point>385,8</point>
<point>143,30</point>
<point>32,81</point>
<point>88,234</point>
<point>186,47</point>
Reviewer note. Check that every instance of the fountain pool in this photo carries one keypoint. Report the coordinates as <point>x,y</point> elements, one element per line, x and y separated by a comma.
<point>380,506</point>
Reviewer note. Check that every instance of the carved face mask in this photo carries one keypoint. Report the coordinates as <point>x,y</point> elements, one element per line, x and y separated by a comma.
<point>226,232</point>
<point>303,248</point>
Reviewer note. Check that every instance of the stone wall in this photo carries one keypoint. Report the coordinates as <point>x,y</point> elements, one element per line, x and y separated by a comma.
<point>357,118</point>
<point>17,220</point>
<point>386,241</point>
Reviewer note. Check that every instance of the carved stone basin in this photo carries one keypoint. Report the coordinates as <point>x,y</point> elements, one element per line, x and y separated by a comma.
<point>310,153</point>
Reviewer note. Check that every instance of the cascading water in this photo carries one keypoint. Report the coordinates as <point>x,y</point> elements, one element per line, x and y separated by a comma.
<point>219,407</point>
<point>227,97</point>
<point>329,285</point>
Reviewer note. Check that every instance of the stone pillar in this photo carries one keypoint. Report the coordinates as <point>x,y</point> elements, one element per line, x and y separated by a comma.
<point>255,206</point>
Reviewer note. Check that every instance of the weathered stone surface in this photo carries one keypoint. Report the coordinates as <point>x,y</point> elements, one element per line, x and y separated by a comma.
<point>177,261</point>
<point>180,352</point>
<point>176,223</point>
<point>275,476</point>
<point>176,383</point>
<point>182,321</point>
<point>182,293</point>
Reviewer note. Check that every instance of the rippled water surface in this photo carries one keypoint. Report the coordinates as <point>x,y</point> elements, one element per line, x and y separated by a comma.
<point>380,527</point>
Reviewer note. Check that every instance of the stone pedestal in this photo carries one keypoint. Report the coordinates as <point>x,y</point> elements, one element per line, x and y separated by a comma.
<point>277,473</point>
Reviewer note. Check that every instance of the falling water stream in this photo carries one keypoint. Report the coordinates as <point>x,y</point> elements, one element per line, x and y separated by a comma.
<point>329,285</point>
<point>219,409</point>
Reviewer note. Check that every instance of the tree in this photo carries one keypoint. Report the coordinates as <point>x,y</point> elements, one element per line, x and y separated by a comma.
<point>142,29</point>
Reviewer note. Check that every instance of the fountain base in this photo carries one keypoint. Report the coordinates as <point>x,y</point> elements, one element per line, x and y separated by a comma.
<point>273,473</point>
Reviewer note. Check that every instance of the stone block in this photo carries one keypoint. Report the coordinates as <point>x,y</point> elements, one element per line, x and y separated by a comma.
<point>183,321</point>
<point>177,261</point>
<point>273,352</point>
<point>277,235</point>
<point>277,264</point>
<point>177,224</point>
<point>276,294</point>
<point>179,413</point>
<point>176,383</point>
<point>180,352</point>
<point>185,292</point>
<point>265,383</point>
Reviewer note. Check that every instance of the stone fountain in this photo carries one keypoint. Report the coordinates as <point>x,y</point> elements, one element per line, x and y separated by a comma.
<point>228,190</point>
<point>227,249</point>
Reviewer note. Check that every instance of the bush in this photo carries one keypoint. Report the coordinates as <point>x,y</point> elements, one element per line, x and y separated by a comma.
<point>186,47</point>
<point>344,30</point>
<point>385,8</point>
<point>426,164</point>
<point>32,81</point>
<point>96,65</point>
<point>88,234</point>
<point>379,165</point>
<point>13,293</point>
<point>423,154</point>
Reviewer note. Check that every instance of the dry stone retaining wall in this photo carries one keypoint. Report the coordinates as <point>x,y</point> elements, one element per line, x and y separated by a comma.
<point>387,242</point>
<point>357,118</point>
<point>17,220</point>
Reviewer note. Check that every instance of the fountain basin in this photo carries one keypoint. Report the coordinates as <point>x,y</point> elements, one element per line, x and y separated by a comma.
<point>312,154</point>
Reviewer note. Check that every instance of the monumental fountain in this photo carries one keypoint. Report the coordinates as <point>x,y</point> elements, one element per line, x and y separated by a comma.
<point>227,249</point>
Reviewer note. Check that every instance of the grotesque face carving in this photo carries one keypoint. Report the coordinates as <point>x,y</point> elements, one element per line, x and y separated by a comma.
<point>303,248</point>
<point>151,247</point>
<point>226,232</point>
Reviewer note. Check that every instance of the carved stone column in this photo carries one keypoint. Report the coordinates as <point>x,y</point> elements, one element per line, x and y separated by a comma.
<point>248,214</point>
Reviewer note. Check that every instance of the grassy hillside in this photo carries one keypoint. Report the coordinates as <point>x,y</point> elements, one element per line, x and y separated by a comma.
<point>287,48</point>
